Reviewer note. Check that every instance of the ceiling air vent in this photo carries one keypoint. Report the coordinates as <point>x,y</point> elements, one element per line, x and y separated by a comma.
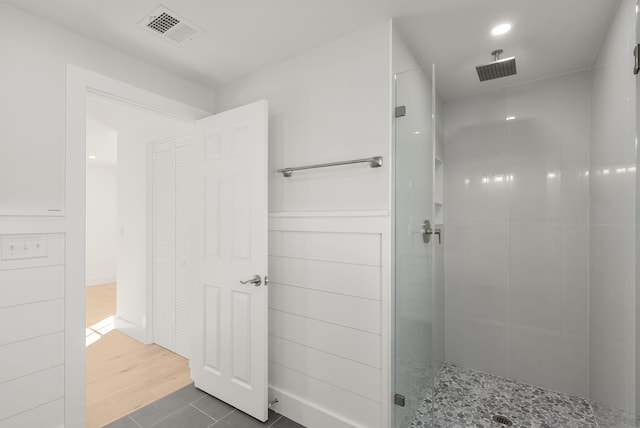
<point>169,25</point>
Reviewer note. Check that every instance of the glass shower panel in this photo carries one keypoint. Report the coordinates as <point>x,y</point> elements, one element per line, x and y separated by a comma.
<point>414,291</point>
<point>636,407</point>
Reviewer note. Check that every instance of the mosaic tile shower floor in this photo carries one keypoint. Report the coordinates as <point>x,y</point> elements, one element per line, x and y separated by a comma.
<point>468,398</point>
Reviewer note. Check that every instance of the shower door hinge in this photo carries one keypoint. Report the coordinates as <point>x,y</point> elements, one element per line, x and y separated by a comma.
<point>398,400</point>
<point>401,111</point>
<point>636,62</point>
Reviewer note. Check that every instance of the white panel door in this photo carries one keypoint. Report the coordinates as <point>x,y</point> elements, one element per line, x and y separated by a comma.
<point>229,342</point>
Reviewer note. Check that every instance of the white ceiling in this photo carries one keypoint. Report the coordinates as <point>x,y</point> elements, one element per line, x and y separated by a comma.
<point>548,37</point>
<point>243,36</point>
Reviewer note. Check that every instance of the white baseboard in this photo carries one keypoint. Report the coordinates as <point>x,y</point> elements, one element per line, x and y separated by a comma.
<point>134,331</point>
<point>306,413</point>
<point>99,280</point>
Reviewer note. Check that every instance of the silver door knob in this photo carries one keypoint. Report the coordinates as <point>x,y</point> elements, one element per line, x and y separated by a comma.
<point>255,281</point>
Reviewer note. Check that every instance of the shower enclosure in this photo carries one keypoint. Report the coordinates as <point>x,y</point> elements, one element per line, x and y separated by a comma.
<point>541,278</point>
<point>418,328</point>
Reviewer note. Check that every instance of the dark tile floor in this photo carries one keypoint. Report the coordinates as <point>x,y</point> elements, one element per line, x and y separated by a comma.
<point>191,408</point>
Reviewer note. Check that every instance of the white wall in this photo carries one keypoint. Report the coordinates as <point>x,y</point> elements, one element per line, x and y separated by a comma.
<point>32,343</point>
<point>33,77</point>
<point>32,172</point>
<point>612,208</point>
<point>101,224</point>
<point>402,57</point>
<point>328,275</point>
<point>516,251</point>
<point>330,104</point>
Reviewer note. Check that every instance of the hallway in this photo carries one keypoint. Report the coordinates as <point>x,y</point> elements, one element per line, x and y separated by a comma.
<point>123,375</point>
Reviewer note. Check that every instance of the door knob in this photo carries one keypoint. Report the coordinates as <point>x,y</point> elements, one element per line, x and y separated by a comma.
<point>255,281</point>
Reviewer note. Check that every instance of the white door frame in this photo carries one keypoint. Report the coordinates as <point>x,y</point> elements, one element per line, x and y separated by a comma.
<point>79,84</point>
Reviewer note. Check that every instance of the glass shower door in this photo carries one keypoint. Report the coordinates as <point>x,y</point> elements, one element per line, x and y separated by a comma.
<point>414,291</point>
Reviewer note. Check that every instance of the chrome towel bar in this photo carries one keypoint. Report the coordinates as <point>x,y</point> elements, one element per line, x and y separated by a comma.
<point>374,162</point>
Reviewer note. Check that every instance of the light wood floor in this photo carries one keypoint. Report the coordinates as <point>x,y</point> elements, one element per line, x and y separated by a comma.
<point>123,374</point>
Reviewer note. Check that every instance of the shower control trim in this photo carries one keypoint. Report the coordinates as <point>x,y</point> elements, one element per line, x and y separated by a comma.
<point>427,231</point>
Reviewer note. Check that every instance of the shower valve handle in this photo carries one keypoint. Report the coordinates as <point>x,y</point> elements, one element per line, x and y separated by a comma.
<point>439,233</point>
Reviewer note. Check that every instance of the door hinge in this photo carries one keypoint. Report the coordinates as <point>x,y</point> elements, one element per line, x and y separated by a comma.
<point>401,111</point>
<point>398,400</point>
<point>636,62</point>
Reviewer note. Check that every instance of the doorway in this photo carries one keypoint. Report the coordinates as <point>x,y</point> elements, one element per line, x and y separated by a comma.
<point>129,362</point>
<point>235,134</point>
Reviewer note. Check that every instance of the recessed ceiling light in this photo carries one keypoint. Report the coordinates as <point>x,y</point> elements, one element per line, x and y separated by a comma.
<point>511,118</point>
<point>501,29</point>
<point>92,157</point>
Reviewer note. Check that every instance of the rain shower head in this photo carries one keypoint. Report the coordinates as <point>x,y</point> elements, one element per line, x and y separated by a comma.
<point>498,68</point>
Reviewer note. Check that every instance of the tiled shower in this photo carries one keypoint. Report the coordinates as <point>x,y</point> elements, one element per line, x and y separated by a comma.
<point>517,220</point>
<point>539,248</point>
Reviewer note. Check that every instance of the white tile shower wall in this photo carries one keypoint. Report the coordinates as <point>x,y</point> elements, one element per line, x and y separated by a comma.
<point>516,247</point>
<point>328,285</point>
<point>612,206</point>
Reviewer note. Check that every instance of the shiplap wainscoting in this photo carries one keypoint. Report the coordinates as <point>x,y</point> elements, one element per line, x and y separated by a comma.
<point>32,338</point>
<point>329,317</point>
